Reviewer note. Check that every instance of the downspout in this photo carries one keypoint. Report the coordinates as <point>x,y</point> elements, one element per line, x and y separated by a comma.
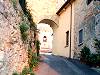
<point>70,31</point>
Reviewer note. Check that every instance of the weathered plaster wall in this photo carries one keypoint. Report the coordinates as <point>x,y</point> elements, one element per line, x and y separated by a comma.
<point>60,34</point>
<point>13,55</point>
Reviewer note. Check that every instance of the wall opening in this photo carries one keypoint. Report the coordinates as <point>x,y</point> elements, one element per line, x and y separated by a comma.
<point>47,29</point>
<point>45,37</point>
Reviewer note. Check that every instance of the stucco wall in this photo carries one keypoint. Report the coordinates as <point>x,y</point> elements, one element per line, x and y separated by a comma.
<point>60,47</point>
<point>42,9</point>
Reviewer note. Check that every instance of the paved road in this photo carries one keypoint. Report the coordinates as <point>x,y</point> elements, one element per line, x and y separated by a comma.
<point>63,66</point>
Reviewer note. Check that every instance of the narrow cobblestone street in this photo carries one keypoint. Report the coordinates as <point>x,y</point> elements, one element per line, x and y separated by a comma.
<point>54,65</point>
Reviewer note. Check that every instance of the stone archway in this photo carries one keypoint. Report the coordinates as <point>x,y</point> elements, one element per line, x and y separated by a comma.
<point>50,22</point>
<point>53,27</point>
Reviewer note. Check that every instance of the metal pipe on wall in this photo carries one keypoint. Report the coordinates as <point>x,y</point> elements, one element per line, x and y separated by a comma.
<point>70,31</point>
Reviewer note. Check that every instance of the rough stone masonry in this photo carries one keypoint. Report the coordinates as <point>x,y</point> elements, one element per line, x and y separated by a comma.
<point>13,55</point>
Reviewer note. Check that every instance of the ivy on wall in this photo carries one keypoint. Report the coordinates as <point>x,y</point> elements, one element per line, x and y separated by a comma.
<point>14,2</point>
<point>33,58</point>
<point>28,30</point>
<point>24,27</point>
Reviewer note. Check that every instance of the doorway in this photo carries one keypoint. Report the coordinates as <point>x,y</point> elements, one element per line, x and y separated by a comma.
<point>45,38</point>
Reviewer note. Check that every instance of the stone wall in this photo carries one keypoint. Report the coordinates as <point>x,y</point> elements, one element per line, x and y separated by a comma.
<point>13,55</point>
<point>87,17</point>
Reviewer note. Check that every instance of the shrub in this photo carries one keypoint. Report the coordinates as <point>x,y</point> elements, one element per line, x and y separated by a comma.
<point>14,3</point>
<point>97,45</point>
<point>88,58</point>
<point>23,29</point>
<point>92,60</point>
<point>98,60</point>
<point>15,73</point>
<point>33,59</point>
<point>25,71</point>
<point>24,36</point>
<point>85,53</point>
<point>37,43</point>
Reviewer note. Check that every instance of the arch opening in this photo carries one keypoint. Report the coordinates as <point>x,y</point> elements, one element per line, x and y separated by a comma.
<point>46,34</point>
<point>45,38</point>
<point>52,24</point>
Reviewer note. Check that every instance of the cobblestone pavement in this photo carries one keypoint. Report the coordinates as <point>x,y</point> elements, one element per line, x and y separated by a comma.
<point>55,65</point>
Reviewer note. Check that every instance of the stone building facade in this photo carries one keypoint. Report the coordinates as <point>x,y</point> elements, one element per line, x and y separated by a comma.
<point>88,16</point>
<point>13,54</point>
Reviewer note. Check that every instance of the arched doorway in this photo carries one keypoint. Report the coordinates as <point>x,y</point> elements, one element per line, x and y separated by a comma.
<point>46,34</point>
<point>45,37</point>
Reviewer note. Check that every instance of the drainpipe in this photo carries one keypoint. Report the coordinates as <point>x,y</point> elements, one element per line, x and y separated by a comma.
<point>70,30</point>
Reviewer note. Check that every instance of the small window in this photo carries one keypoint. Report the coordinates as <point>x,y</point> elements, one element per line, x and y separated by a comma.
<point>80,36</point>
<point>88,2</point>
<point>67,38</point>
<point>44,39</point>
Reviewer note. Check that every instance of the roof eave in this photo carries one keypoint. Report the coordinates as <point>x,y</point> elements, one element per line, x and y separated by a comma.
<point>63,6</point>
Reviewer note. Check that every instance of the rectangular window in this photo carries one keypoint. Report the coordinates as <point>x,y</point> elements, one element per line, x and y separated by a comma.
<point>67,38</point>
<point>81,36</point>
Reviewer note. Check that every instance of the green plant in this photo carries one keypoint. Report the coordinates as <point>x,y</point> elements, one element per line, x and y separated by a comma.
<point>23,29</point>
<point>85,53</point>
<point>88,58</point>
<point>92,60</point>
<point>33,26</point>
<point>32,59</point>
<point>25,71</point>
<point>98,60</point>
<point>37,43</point>
<point>15,73</point>
<point>97,45</point>
<point>14,3</point>
<point>32,73</point>
<point>24,36</point>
